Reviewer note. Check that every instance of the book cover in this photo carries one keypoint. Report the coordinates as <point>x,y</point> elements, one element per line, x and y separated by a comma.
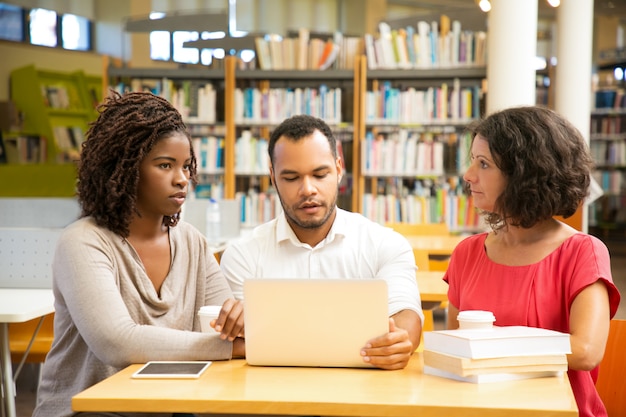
<point>303,48</point>
<point>329,55</point>
<point>498,342</point>
<point>3,151</point>
<point>461,366</point>
<point>276,51</point>
<point>486,378</point>
<point>263,53</point>
<point>370,52</point>
<point>386,45</point>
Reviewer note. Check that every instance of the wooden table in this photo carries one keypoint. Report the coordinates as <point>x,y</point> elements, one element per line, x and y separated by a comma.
<point>236,387</point>
<point>16,306</point>
<point>431,286</point>
<point>435,244</point>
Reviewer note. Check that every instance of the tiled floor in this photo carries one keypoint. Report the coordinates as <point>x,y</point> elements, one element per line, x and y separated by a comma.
<point>25,400</point>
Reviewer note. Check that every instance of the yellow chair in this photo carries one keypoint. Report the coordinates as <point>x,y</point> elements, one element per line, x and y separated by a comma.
<point>21,334</point>
<point>420,229</point>
<point>421,259</point>
<point>611,384</point>
<point>425,229</point>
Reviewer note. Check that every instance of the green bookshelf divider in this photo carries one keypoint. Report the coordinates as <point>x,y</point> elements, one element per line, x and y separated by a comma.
<point>38,180</point>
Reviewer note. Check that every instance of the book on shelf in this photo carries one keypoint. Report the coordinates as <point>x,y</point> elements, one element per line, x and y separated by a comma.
<point>329,55</point>
<point>427,45</point>
<point>303,48</point>
<point>68,137</point>
<point>23,149</point>
<point>486,378</point>
<point>263,53</point>
<point>463,366</point>
<point>499,341</point>
<point>209,151</point>
<point>276,51</point>
<point>3,151</point>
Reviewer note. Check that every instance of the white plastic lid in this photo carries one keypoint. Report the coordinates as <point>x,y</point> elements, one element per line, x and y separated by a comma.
<point>210,310</point>
<point>476,316</point>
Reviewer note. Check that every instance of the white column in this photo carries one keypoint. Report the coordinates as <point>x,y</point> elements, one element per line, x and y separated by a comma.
<point>573,68</point>
<point>511,49</point>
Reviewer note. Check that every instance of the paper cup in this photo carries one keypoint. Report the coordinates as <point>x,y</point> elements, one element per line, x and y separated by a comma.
<point>476,319</point>
<point>207,314</point>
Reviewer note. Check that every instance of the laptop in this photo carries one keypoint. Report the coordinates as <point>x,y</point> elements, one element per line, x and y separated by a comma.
<point>313,322</point>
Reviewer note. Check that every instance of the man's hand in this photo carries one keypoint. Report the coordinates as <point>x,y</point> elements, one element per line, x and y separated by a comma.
<point>230,321</point>
<point>390,351</point>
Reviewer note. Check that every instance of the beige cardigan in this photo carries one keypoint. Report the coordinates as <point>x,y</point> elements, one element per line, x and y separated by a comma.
<point>108,314</point>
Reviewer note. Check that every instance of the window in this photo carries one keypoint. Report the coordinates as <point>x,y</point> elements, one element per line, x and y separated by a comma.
<point>185,55</point>
<point>207,55</point>
<point>75,33</point>
<point>11,23</point>
<point>43,27</point>
<point>160,45</point>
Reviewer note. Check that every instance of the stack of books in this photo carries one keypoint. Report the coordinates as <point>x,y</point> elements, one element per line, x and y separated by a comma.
<point>495,354</point>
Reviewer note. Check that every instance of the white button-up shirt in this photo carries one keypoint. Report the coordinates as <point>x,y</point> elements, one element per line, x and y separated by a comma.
<point>355,248</point>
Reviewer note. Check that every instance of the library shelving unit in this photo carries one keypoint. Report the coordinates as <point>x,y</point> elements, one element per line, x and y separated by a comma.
<point>608,147</point>
<point>200,96</point>
<point>57,106</point>
<point>265,98</point>
<point>413,148</point>
<point>249,104</point>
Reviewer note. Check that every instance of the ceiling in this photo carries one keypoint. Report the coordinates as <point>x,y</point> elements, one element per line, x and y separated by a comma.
<point>606,7</point>
<point>474,19</point>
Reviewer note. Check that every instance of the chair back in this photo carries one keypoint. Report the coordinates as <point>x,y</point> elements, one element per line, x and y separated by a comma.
<point>21,342</point>
<point>38,211</point>
<point>26,257</point>
<point>611,383</point>
<point>421,259</point>
<point>408,229</point>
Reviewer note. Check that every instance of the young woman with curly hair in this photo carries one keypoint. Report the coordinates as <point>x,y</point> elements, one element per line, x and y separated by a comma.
<point>529,164</point>
<point>128,277</point>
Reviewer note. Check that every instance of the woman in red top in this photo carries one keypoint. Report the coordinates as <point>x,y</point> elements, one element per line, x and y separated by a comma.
<point>529,164</point>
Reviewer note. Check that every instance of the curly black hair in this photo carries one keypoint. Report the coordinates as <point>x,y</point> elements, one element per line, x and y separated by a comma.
<point>545,160</point>
<point>298,127</point>
<point>127,128</point>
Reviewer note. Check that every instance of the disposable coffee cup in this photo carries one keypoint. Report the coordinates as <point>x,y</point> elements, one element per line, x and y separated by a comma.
<point>207,314</point>
<point>476,319</point>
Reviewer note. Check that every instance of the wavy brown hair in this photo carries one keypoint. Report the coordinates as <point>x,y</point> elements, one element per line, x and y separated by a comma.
<point>545,160</point>
<point>127,128</point>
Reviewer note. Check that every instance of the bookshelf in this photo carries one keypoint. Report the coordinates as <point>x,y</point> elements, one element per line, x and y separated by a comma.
<point>203,97</point>
<point>608,147</point>
<point>266,98</point>
<point>57,106</point>
<point>251,102</point>
<point>413,150</point>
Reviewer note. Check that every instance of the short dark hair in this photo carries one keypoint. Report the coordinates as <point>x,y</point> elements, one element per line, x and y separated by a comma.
<point>127,128</point>
<point>298,127</point>
<point>545,159</point>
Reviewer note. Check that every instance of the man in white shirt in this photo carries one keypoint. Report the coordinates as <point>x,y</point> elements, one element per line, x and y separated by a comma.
<point>313,238</point>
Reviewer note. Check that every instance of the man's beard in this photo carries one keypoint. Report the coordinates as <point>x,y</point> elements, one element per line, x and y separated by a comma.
<point>290,214</point>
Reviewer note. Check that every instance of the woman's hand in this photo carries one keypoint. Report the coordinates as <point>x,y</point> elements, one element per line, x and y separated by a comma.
<point>230,321</point>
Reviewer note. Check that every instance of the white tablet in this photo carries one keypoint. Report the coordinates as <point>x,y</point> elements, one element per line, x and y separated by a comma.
<point>172,369</point>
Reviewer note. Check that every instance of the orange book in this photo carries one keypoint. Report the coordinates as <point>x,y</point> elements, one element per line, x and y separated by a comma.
<point>326,52</point>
